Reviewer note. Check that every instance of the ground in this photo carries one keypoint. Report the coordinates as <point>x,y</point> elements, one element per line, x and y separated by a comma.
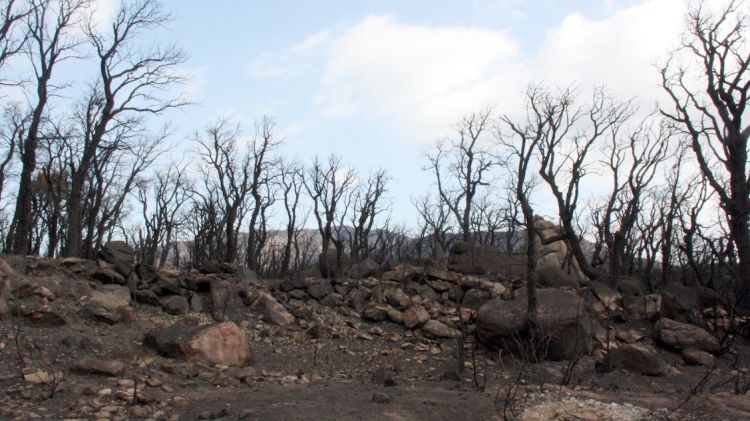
<point>353,370</point>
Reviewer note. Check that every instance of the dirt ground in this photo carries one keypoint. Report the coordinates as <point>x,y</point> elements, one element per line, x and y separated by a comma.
<point>355,370</point>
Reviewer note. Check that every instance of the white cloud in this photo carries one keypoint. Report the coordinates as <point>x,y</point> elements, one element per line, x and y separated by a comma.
<point>423,78</point>
<point>289,60</point>
<point>417,76</point>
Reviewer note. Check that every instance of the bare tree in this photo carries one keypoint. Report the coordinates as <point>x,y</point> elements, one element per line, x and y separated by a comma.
<point>434,216</point>
<point>11,135</point>
<point>367,204</point>
<point>12,17</point>
<point>711,116</point>
<point>639,156</point>
<point>328,184</point>
<point>467,168</point>
<point>521,142</point>
<point>50,25</point>
<point>230,173</point>
<point>168,194</point>
<point>292,184</point>
<point>263,174</point>
<point>570,133</point>
<point>129,85</point>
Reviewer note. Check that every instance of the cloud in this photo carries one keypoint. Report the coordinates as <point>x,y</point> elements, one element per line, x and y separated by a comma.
<point>423,78</point>
<point>289,60</point>
<point>414,75</point>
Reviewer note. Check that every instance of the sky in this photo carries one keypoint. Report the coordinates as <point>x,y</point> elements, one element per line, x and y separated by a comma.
<point>380,81</point>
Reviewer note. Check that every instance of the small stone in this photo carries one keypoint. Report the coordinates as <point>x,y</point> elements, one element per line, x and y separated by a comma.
<point>379,397</point>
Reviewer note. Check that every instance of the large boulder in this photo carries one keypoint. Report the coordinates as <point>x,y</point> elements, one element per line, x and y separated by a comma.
<point>562,318</point>
<point>215,344</point>
<point>637,357</point>
<point>678,336</point>
<point>363,269</point>
<point>697,357</point>
<point>556,266</point>
<point>226,301</point>
<point>684,303</point>
<point>120,255</point>
<point>109,304</point>
<point>272,311</point>
<point>174,304</point>
<point>473,259</point>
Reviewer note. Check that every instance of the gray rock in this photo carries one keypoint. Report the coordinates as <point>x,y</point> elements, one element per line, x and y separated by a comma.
<point>363,269</point>
<point>697,357</point>
<point>319,288</point>
<point>120,255</point>
<point>272,311</point>
<point>679,336</point>
<point>638,357</point>
<point>436,329</point>
<point>562,317</point>
<point>375,313</point>
<point>175,305</point>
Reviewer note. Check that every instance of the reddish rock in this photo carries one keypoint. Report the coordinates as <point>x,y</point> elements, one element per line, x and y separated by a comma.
<point>217,344</point>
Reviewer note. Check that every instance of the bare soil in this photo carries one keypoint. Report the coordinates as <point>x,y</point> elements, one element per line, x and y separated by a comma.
<point>356,370</point>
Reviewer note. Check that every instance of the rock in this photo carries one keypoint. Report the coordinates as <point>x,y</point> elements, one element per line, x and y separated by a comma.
<point>174,305</point>
<point>319,288</point>
<point>683,303</point>
<point>610,298</point>
<point>441,273</point>
<point>415,317</point>
<point>475,298</point>
<point>375,313</point>
<point>215,266</point>
<point>561,316</point>
<point>638,357</point>
<point>217,343</point>
<point>272,311</point>
<point>436,329</point>
<point>679,336</point>
<point>108,275</point>
<point>196,303</point>
<point>120,255</point>
<point>43,377</point>
<point>401,273</point>
<point>107,304</point>
<point>111,297</point>
<point>332,300</point>
<point>555,267</point>
<point>357,297</point>
<point>643,307</point>
<point>46,318</point>
<point>98,366</point>
<point>226,303</point>
<point>395,315</point>
<point>397,298</point>
<point>147,296</point>
<point>363,269</point>
<point>148,274</point>
<point>379,397</point>
<point>697,357</point>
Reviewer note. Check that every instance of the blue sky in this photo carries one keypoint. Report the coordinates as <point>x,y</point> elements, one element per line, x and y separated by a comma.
<point>378,82</point>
